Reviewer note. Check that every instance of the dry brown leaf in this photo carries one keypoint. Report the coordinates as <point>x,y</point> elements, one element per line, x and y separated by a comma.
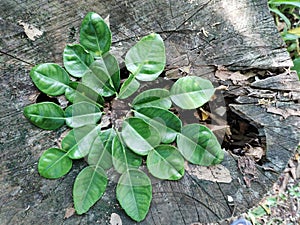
<point>173,74</point>
<point>204,114</point>
<point>106,20</point>
<point>69,212</point>
<point>185,69</point>
<point>115,219</point>
<point>223,74</point>
<point>220,128</point>
<point>31,31</point>
<point>218,173</point>
<point>255,152</point>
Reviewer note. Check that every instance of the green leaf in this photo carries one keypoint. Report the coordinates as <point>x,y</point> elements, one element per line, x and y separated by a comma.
<point>165,162</point>
<point>199,145</point>
<point>95,35</point>
<point>77,92</point>
<point>89,186</point>
<point>98,79</point>
<point>285,2</point>
<point>123,158</point>
<point>110,66</point>
<point>147,58</point>
<point>82,113</point>
<point>134,193</point>
<point>54,163</point>
<point>166,122</point>
<point>140,136</point>
<point>154,97</point>
<point>129,86</point>
<point>102,155</point>
<point>282,16</point>
<point>191,92</point>
<point>50,78</point>
<point>45,115</point>
<point>296,66</point>
<point>77,60</point>
<point>80,141</point>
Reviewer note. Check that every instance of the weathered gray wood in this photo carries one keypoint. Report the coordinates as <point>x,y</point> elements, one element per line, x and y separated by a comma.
<point>198,33</point>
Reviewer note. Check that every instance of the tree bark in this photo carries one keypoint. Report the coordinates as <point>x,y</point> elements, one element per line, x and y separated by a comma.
<point>199,34</point>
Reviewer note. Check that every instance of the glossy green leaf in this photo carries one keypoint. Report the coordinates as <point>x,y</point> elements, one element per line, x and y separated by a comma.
<point>166,122</point>
<point>199,145</point>
<point>191,92</point>
<point>45,115</point>
<point>275,10</point>
<point>109,64</point>
<point>77,92</point>
<point>82,113</point>
<point>124,158</point>
<point>140,136</point>
<point>296,66</point>
<point>98,79</point>
<point>80,141</point>
<point>89,186</point>
<point>50,78</point>
<point>154,97</point>
<point>285,2</point>
<point>54,163</point>
<point>147,58</point>
<point>102,155</point>
<point>129,87</point>
<point>165,162</point>
<point>134,193</point>
<point>95,35</point>
<point>77,60</point>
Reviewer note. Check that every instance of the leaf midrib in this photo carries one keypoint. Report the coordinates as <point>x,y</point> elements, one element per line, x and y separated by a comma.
<point>141,137</point>
<point>51,79</point>
<point>167,162</point>
<point>46,117</point>
<point>155,121</point>
<point>205,150</point>
<point>82,139</point>
<point>104,149</point>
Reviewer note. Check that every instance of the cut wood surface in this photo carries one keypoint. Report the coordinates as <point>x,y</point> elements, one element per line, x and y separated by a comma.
<point>201,36</point>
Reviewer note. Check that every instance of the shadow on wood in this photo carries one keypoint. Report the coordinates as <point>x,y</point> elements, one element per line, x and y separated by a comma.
<point>201,35</point>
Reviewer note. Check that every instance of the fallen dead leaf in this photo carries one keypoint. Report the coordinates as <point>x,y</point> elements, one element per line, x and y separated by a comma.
<point>255,152</point>
<point>69,212</point>
<point>173,74</point>
<point>115,219</point>
<point>31,31</point>
<point>264,101</point>
<point>185,69</point>
<point>204,114</point>
<point>106,20</point>
<point>220,129</point>
<point>218,173</point>
<point>224,74</point>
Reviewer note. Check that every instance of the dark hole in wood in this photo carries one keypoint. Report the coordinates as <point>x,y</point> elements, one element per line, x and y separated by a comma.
<point>244,134</point>
<point>124,73</point>
<point>45,98</point>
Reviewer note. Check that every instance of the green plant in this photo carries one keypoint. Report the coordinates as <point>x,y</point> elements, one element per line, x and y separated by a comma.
<point>289,12</point>
<point>154,132</point>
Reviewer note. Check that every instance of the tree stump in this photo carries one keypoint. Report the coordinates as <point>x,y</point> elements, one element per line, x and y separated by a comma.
<point>223,40</point>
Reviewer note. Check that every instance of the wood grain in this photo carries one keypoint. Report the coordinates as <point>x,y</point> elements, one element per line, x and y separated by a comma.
<point>239,35</point>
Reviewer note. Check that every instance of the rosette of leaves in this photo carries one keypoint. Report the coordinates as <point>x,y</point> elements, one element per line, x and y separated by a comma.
<point>153,132</point>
